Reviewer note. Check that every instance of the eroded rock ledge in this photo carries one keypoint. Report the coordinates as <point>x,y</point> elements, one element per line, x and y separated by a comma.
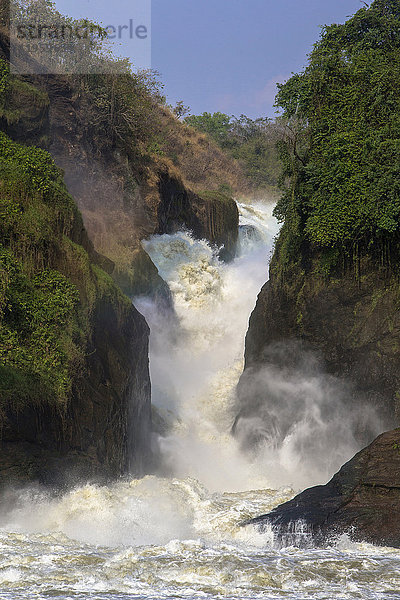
<point>362,499</point>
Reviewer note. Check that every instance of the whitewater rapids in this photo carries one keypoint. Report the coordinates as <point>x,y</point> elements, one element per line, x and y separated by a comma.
<point>177,534</point>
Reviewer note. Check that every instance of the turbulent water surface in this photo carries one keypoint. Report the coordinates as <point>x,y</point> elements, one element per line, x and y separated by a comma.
<point>177,534</point>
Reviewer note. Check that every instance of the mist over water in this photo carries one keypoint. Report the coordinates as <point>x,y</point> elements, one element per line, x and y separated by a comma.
<point>299,422</point>
<point>296,426</point>
<point>176,534</point>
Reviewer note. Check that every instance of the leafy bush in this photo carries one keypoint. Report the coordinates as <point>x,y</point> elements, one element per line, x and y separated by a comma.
<point>35,165</point>
<point>4,78</point>
<point>37,318</point>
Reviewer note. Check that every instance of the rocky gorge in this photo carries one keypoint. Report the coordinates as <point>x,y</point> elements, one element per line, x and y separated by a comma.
<point>83,186</point>
<point>87,413</point>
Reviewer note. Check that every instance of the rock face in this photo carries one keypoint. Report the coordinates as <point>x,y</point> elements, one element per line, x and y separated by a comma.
<point>143,279</point>
<point>362,499</point>
<point>113,195</point>
<point>105,429</point>
<point>210,215</point>
<point>87,414</point>
<point>352,323</point>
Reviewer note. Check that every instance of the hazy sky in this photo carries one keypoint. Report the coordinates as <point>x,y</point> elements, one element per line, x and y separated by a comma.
<point>225,55</point>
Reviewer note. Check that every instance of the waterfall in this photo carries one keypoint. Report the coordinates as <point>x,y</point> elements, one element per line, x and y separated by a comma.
<point>301,429</point>
<point>197,358</point>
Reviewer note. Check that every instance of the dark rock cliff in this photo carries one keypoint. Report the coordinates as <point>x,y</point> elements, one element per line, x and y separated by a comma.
<point>210,215</point>
<point>351,321</point>
<point>74,383</point>
<point>361,499</point>
<point>104,429</point>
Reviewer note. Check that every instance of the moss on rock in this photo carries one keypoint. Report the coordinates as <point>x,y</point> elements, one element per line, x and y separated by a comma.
<point>24,109</point>
<point>73,350</point>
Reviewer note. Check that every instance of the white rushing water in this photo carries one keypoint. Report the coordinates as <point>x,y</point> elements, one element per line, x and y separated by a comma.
<point>177,534</point>
<point>196,361</point>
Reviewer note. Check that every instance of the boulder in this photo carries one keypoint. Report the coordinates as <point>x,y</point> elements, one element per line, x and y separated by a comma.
<point>362,499</point>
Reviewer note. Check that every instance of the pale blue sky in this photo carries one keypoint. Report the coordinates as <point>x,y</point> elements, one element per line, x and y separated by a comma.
<point>224,55</point>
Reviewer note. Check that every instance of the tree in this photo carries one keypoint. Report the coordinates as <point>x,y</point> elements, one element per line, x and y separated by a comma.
<point>180,110</point>
<point>346,182</point>
<point>217,126</point>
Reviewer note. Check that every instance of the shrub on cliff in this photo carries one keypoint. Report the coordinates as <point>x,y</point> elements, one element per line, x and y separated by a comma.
<point>48,285</point>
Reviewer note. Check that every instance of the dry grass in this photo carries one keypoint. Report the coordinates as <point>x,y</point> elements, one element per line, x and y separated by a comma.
<point>200,162</point>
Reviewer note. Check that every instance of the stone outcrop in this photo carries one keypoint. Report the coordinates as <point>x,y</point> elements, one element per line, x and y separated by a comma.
<point>349,321</point>
<point>210,215</point>
<point>352,323</point>
<point>142,278</point>
<point>104,430</point>
<point>362,500</point>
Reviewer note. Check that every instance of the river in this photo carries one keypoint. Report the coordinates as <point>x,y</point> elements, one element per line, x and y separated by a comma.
<point>176,534</point>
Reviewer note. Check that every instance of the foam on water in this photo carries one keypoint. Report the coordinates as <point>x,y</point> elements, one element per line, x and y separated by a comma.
<point>163,538</point>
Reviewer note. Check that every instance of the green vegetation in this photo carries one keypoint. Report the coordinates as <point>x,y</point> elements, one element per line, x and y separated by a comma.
<point>341,152</point>
<point>37,319</point>
<point>119,107</point>
<point>23,107</point>
<point>37,303</point>
<point>122,111</point>
<point>217,125</point>
<point>4,79</point>
<point>48,286</point>
<point>35,166</point>
<point>251,142</point>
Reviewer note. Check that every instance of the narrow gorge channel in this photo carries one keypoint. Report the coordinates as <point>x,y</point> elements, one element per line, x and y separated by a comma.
<point>176,534</point>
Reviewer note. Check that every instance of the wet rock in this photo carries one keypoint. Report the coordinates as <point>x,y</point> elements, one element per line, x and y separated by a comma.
<point>142,278</point>
<point>210,215</point>
<point>249,234</point>
<point>353,325</point>
<point>362,499</point>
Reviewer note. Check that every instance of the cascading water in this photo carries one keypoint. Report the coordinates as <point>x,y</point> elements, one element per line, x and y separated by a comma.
<point>196,359</point>
<point>306,429</point>
<point>176,534</point>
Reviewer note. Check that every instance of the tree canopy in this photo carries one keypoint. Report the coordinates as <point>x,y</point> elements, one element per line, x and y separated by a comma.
<point>342,158</point>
